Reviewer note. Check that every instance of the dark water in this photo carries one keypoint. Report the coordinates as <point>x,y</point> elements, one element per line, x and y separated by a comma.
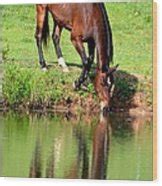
<point>55,146</point>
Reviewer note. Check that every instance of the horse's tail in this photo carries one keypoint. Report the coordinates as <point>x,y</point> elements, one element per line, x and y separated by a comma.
<point>108,33</point>
<point>45,31</point>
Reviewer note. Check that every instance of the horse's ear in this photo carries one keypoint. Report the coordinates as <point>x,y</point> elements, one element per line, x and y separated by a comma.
<point>112,70</point>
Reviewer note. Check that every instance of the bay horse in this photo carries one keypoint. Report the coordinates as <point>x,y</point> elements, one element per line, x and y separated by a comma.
<point>87,22</point>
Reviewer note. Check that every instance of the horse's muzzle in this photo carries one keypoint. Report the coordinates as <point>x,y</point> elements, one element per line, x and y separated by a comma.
<point>104,107</point>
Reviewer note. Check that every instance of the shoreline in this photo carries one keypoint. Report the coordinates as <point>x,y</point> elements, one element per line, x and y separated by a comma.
<point>48,93</point>
<point>74,107</point>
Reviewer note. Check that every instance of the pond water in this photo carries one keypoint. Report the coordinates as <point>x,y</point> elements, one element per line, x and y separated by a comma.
<point>116,146</point>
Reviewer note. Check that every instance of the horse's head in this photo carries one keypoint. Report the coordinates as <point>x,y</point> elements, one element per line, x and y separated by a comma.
<point>104,83</point>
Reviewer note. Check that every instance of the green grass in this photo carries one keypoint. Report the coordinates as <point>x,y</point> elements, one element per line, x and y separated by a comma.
<point>23,80</point>
<point>34,86</point>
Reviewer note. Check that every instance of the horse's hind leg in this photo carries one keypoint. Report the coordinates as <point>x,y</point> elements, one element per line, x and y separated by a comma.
<point>41,13</point>
<point>56,41</point>
<point>78,44</point>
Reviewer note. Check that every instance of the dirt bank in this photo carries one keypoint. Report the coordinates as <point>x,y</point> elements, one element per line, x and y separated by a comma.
<point>30,90</point>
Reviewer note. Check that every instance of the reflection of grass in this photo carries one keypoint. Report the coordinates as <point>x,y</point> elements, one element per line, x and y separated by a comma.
<point>132,33</point>
<point>1,80</point>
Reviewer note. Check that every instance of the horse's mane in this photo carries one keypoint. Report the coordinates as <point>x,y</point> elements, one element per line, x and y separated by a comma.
<point>108,32</point>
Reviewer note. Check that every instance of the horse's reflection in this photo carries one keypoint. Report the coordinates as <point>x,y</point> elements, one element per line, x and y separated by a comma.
<point>100,148</point>
<point>91,160</point>
<point>51,165</point>
<point>36,163</point>
<point>80,166</point>
<point>36,166</point>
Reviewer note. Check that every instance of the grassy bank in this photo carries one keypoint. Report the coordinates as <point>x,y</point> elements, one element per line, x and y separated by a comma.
<point>24,83</point>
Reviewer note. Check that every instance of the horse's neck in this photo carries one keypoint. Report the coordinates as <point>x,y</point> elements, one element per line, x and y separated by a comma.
<point>101,47</point>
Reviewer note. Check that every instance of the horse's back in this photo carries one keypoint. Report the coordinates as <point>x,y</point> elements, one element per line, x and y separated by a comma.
<point>78,16</point>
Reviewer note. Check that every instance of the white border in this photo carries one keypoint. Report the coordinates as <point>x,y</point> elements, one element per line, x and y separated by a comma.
<point>62,1</point>
<point>42,182</point>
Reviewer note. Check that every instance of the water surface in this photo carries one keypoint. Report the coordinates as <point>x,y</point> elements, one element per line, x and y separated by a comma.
<point>55,146</point>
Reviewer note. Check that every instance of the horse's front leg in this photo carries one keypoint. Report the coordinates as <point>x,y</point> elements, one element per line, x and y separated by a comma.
<point>91,51</point>
<point>56,41</point>
<point>78,44</point>
<point>41,13</point>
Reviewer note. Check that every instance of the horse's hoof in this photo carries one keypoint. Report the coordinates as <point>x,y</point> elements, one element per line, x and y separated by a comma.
<point>75,85</point>
<point>62,63</point>
<point>84,87</point>
<point>65,69</point>
<point>44,69</point>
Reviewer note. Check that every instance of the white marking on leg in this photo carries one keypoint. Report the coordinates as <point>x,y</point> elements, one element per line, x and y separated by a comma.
<point>62,63</point>
<point>44,69</point>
